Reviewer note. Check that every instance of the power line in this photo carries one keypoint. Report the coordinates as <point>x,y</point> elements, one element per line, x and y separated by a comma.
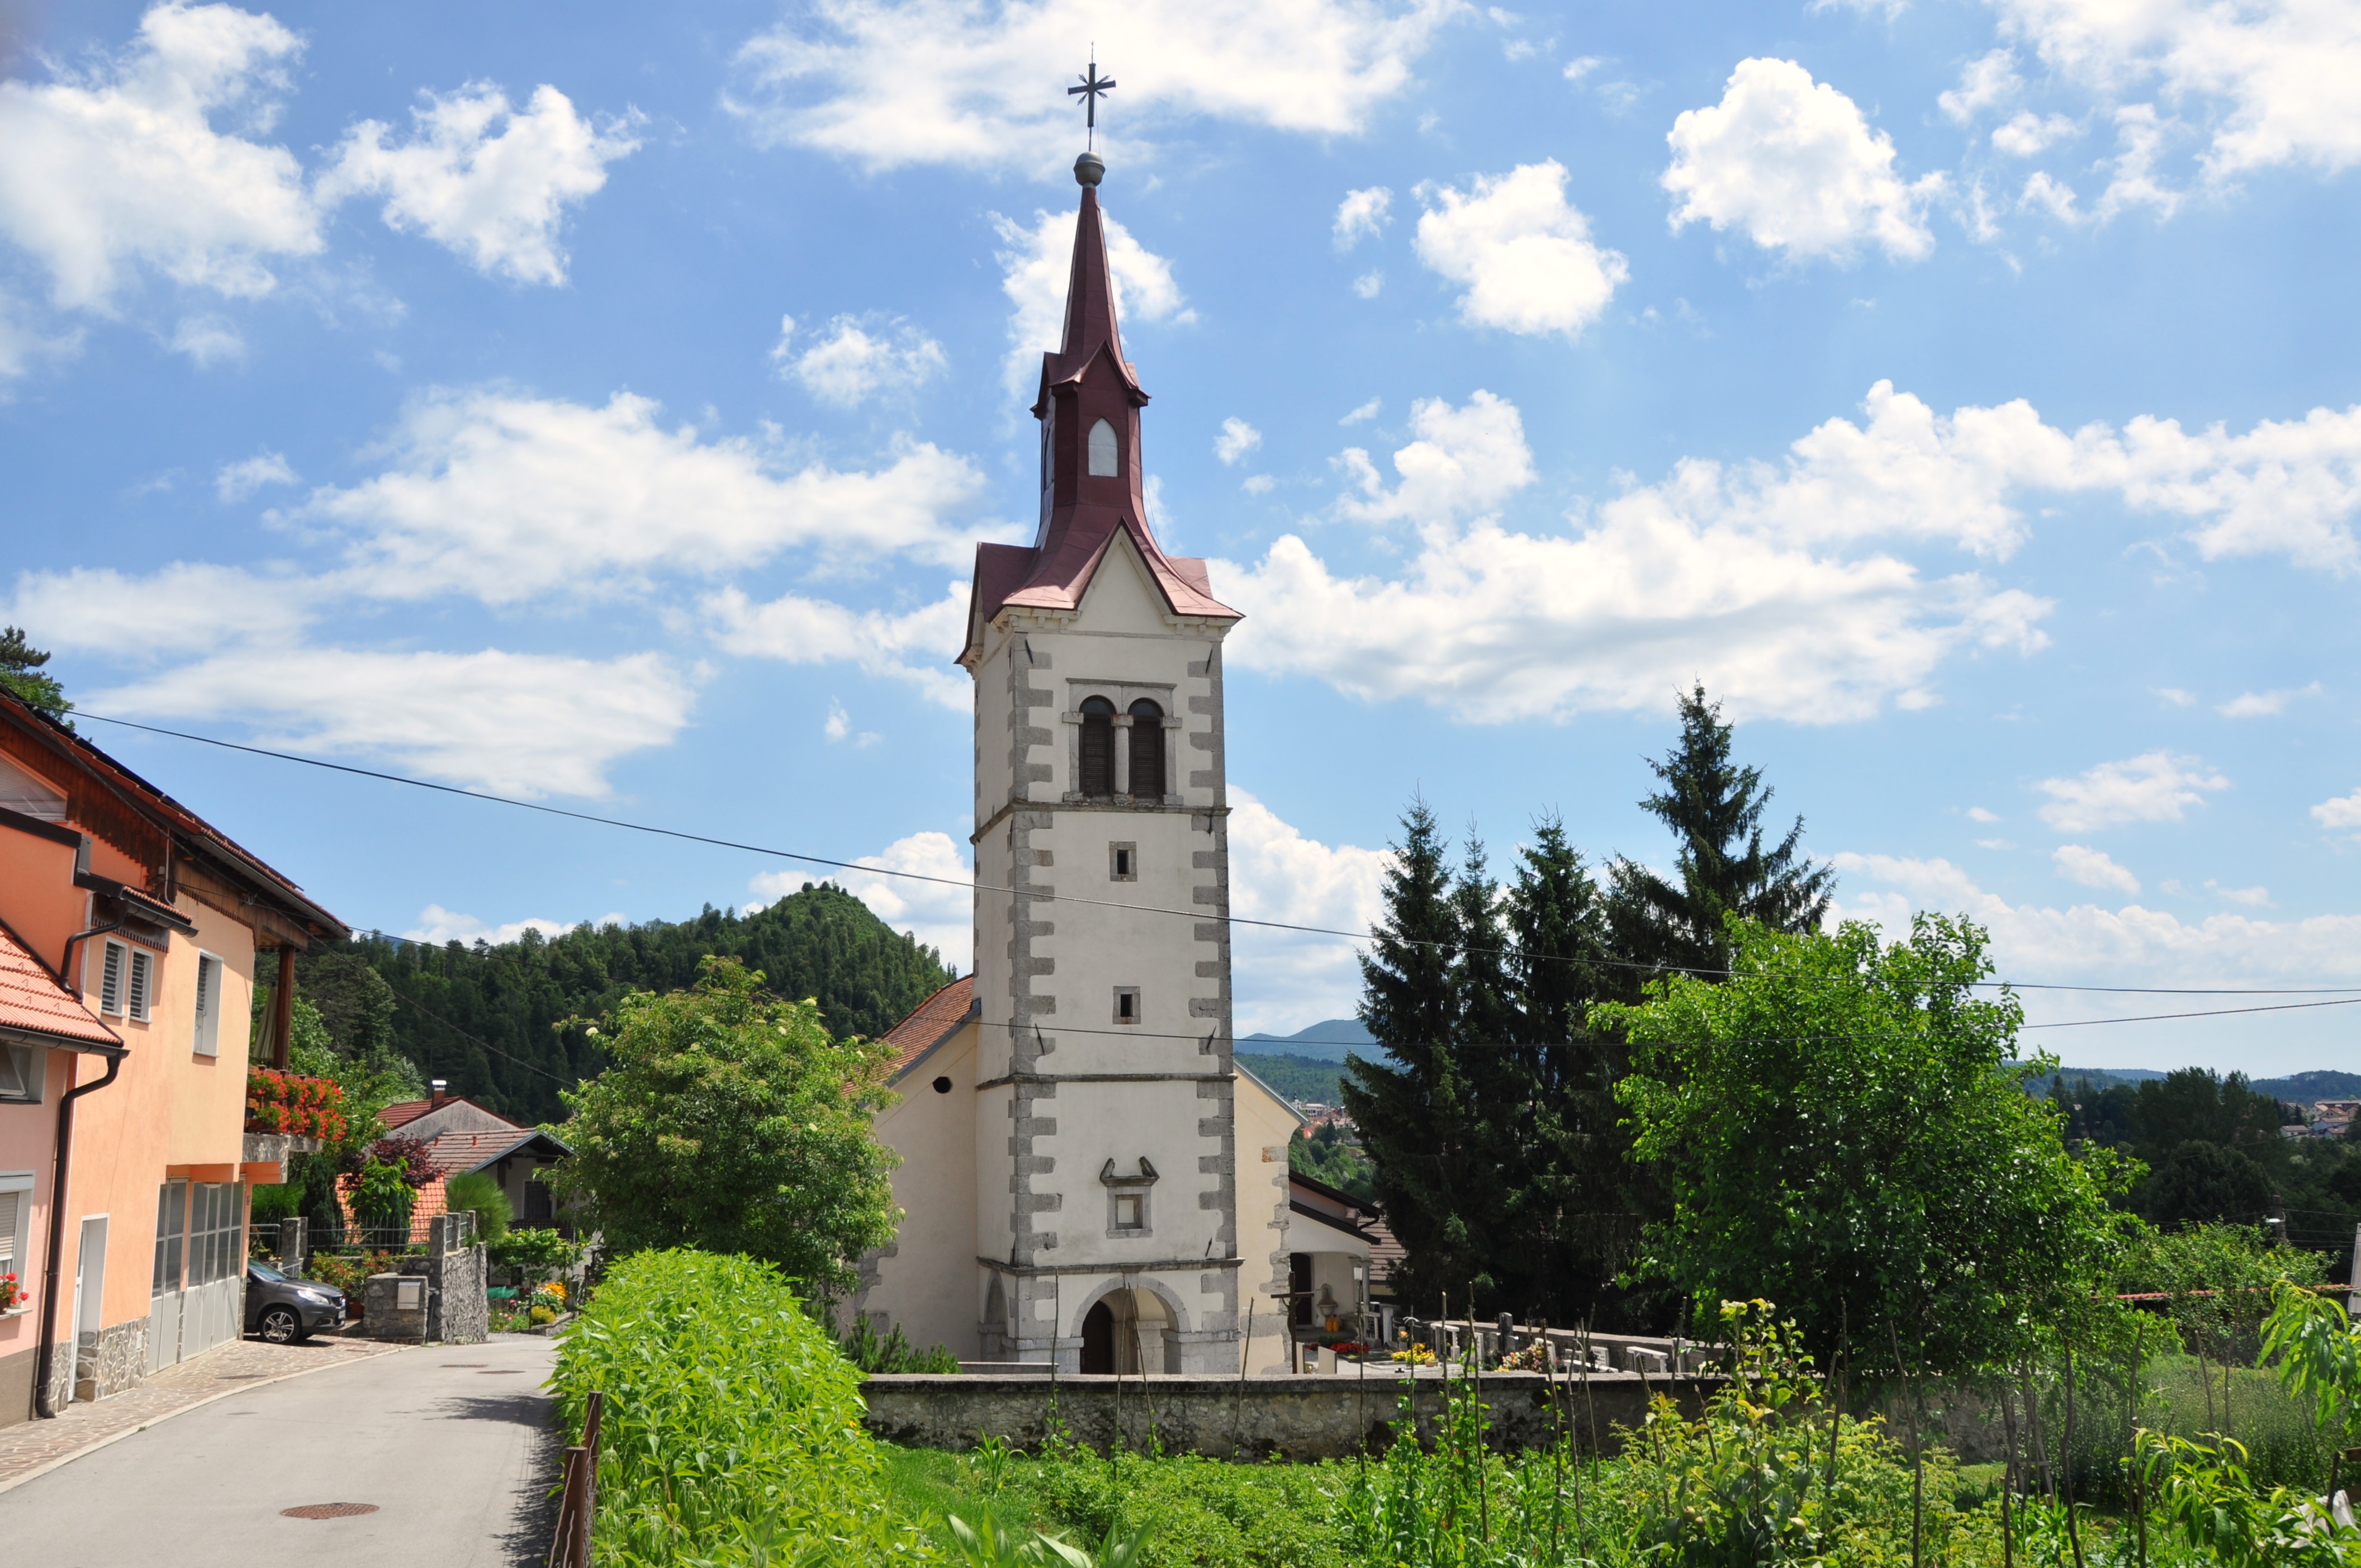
<point>972,886</point>
<point>401,1000</point>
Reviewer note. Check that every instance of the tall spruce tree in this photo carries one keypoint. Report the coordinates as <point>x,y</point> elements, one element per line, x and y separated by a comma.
<point>1414,1113</point>
<point>1494,1131</point>
<point>1715,809</point>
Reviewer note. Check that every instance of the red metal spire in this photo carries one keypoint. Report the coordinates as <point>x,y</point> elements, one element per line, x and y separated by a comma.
<point>1092,488</point>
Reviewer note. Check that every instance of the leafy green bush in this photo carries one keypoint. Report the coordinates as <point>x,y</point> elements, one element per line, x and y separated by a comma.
<point>476,1192</point>
<point>731,1427</point>
<point>894,1353</point>
<point>535,1253</point>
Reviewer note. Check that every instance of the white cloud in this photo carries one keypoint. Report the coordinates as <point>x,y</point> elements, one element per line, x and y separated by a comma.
<point>1581,66</point>
<point>1368,285</point>
<point>2176,696</point>
<point>939,914</point>
<point>1365,411</point>
<point>506,497</point>
<point>2341,814</point>
<point>1034,272</point>
<point>495,199</point>
<point>2259,705</point>
<point>2127,946</point>
<point>2278,74</point>
<point>1995,844</point>
<point>1700,575</point>
<point>1524,252</point>
<point>2284,488</point>
<point>1362,214</point>
<point>1465,460</point>
<point>187,608</point>
<point>238,480</point>
<point>848,366</point>
<point>120,165</point>
<point>438,926</point>
<point>22,344</point>
<point>2094,868</point>
<point>208,340</point>
<point>839,728</point>
<point>2029,135</point>
<point>1978,814</point>
<point>1237,438</point>
<point>526,724</point>
<point>918,646</point>
<point>1793,163</point>
<point>888,82</point>
<point>2050,196</point>
<point>2154,787</point>
<point>2251,897</point>
<point>1290,978</point>
<point>1257,484</point>
<point>1985,81</point>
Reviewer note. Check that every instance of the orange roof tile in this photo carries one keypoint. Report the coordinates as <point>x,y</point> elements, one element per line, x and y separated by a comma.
<point>928,1023</point>
<point>32,1001</point>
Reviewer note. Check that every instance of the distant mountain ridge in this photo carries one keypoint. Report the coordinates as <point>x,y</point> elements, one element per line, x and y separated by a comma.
<point>2301,1088</point>
<point>1325,1041</point>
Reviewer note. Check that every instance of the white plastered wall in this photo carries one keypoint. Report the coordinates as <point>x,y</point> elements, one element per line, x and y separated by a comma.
<point>926,1281</point>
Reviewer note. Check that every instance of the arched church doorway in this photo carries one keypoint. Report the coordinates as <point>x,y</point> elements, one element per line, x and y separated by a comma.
<point>1128,1330</point>
<point>1098,1339</point>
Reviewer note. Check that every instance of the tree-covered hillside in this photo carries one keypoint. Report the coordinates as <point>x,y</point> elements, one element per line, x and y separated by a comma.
<point>510,1024</point>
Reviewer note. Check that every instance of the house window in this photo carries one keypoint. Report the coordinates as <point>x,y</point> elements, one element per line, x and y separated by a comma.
<point>1146,750</point>
<point>1126,1004</point>
<point>1098,747</point>
<point>1122,862</point>
<point>15,1231</point>
<point>20,1076</point>
<point>209,985</point>
<point>1105,459</point>
<point>141,990</point>
<point>115,957</point>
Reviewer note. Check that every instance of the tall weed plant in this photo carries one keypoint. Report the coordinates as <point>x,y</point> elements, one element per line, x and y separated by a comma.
<point>731,1428</point>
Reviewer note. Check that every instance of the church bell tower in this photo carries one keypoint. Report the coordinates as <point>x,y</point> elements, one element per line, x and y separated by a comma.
<point>1106,1140</point>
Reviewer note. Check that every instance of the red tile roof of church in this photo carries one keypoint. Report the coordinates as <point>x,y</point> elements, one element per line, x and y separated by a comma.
<point>929,1023</point>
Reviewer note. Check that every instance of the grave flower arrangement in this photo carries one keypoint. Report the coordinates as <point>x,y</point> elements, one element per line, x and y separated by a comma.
<point>293,1104</point>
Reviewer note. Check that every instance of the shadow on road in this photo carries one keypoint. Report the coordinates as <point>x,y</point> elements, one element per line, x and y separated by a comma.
<point>526,1544</point>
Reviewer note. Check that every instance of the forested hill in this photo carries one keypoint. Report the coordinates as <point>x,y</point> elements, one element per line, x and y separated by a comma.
<point>507,1024</point>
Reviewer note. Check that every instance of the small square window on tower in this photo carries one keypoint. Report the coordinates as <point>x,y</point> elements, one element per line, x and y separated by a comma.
<point>1130,1211</point>
<point>1126,1004</point>
<point>1122,862</point>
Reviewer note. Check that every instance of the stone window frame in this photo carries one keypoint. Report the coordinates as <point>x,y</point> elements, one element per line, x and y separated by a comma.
<point>1136,1188</point>
<point>1123,693</point>
<point>1121,993</point>
<point>1116,850</point>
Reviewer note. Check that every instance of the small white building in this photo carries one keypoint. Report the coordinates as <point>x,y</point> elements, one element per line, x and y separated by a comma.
<point>1085,1174</point>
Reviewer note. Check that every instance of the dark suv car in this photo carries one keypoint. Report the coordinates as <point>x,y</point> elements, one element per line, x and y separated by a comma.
<point>283,1311</point>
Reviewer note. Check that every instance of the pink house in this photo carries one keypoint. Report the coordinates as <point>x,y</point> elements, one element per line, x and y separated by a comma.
<point>130,935</point>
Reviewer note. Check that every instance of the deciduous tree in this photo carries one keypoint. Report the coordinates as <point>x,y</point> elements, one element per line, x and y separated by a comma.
<point>731,1121</point>
<point>1843,1129</point>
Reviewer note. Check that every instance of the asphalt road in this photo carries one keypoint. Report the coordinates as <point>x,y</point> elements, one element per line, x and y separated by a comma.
<point>453,1446</point>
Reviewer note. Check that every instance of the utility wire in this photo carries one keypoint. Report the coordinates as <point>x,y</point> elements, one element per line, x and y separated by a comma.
<point>974,886</point>
<point>529,1066</point>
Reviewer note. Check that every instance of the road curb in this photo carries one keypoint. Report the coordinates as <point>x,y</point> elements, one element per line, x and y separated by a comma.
<point>96,1443</point>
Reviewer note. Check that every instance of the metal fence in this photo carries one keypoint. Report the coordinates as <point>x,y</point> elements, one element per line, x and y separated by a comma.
<point>577,1502</point>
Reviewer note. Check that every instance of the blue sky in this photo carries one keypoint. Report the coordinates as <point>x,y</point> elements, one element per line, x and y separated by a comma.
<point>601,403</point>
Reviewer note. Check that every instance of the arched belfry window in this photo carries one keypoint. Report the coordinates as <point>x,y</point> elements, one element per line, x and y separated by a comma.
<point>1105,460</point>
<point>1098,746</point>
<point>1146,750</point>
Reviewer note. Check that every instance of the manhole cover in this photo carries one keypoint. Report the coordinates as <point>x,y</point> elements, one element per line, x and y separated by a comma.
<point>327,1510</point>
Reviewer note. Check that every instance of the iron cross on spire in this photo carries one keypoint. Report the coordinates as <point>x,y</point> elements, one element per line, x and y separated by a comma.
<point>1092,84</point>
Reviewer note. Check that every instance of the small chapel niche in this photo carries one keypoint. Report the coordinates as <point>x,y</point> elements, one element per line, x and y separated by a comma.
<point>1106,461</point>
